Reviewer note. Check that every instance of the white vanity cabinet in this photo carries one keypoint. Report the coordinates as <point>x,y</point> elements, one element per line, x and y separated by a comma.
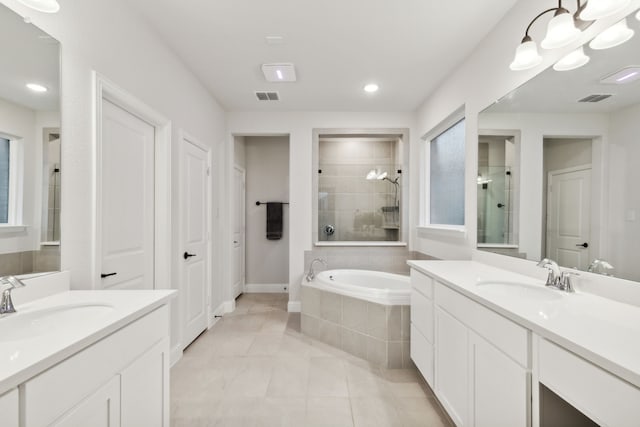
<point>9,409</point>
<point>422,324</point>
<point>121,380</point>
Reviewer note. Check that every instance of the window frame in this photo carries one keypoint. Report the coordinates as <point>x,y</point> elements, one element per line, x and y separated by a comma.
<point>426,228</point>
<point>16,185</point>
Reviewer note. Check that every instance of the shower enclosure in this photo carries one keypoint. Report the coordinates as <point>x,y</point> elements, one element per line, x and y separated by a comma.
<point>359,188</point>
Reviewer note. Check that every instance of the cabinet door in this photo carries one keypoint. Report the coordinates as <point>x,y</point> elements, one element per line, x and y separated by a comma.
<point>452,376</point>
<point>145,389</point>
<point>9,409</point>
<point>499,387</point>
<point>100,409</point>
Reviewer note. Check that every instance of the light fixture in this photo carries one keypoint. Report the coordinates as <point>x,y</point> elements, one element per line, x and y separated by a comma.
<point>575,59</point>
<point>527,55</point>
<point>638,15</point>
<point>373,174</point>
<point>623,76</point>
<point>279,73</point>
<point>36,87</point>
<point>371,88</point>
<point>561,30</point>
<point>597,9</point>
<point>612,36</point>
<point>382,176</point>
<point>46,6</point>
<point>377,174</point>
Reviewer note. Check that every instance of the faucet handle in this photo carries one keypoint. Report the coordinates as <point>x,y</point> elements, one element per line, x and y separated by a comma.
<point>566,280</point>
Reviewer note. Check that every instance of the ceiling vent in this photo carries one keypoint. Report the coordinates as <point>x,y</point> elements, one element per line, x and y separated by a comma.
<point>594,98</point>
<point>268,96</point>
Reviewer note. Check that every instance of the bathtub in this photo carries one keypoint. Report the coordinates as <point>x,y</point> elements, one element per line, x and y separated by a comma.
<point>373,286</point>
<point>365,313</point>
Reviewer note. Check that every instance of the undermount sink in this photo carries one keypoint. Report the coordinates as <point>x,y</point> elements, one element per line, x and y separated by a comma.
<point>21,326</point>
<point>532,292</point>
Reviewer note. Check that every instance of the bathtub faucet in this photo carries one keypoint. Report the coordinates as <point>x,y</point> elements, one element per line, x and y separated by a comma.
<point>310,274</point>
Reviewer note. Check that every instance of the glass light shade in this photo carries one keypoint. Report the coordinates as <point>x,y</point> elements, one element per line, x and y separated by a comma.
<point>612,36</point>
<point>46,6</point>
<point>373,174</point>
<point>638,15</point>
<point>527,56</point>
<point>383,175</point>
<point>596,9</point>
<point>575,59</point>
<point>561,31</point>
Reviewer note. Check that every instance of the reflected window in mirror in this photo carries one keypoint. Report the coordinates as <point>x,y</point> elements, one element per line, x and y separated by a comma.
<point>446,176</point>
<point>4,180</point>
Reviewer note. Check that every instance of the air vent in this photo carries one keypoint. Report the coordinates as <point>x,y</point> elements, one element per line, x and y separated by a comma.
<point>594,98</point>
<point>267,96</point>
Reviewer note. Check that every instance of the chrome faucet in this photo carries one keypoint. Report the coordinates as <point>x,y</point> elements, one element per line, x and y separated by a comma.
<point>556,279</point>
<point>600,266</point>
<point>7,284</point>
<point>311,274</point>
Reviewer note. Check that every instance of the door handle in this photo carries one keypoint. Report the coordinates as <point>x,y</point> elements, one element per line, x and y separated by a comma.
<point>584,245</point>
<point>235,242</point>
<point>187,255</point>
<point>103,275</point>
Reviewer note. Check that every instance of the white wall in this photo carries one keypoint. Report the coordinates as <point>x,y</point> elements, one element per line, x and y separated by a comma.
<point>478,82</point>
<point>267,166</point>
<point>108,37</point>
<point>299,126</point>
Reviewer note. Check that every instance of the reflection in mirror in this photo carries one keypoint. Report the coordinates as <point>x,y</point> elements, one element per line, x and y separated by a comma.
<point>29,148</point>
<point>580,163</point>
<point>359,188</point>
<point>497,179</point>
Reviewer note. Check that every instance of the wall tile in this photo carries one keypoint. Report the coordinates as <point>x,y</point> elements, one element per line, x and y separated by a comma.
<point>354,342</point>
<point>377,351</point>
<point>331,307</point>
<point>394,323</point>
<point>405,330</point>
<point>354,314</point>
<point>310,326</point>
<point>329,333</point>
<point>394,355</point>
<point>310,299</point>
<point>377,316</point>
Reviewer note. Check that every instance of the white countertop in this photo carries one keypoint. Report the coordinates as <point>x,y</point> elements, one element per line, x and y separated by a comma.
<point>21,359</point>
<point>603,331</point>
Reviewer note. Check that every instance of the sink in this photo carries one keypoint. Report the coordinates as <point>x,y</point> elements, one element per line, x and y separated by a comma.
<point>531,292</point>
<point>31,324</point>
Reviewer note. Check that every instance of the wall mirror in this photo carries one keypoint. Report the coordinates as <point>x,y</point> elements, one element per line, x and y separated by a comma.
<point>360,180</point>
<point>572,190</point>
<point>30,141</point>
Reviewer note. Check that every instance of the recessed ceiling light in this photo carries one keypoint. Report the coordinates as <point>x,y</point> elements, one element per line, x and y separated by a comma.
<point>274,40</point>
<point>46,6</point>
<point>279,73</point>
<point>36,87</point>
<point>621,77</point>
<point>371,88</point>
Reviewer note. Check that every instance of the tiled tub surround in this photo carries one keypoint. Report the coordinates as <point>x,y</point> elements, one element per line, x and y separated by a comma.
<point>384,258</point>
<point>46,259</point>
<point>375,332</point>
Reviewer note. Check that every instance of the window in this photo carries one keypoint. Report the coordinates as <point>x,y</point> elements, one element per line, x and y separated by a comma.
<point>4,180</point>
<point>446,176</point>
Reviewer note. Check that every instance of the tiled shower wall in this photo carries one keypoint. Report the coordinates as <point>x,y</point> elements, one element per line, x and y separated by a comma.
<point>47,259</point>
<point>385,258</point>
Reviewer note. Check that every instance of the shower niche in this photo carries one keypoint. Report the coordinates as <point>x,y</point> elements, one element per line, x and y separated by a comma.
<point>360,180</point>
<point>497,184</point>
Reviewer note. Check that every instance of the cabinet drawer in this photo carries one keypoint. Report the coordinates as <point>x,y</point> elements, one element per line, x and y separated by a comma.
<point>422,314</point>
<point>53,392</point>
<point>422,354</point>
<point>504,334</point>
<point>600,395</point>
<point>422,282</point>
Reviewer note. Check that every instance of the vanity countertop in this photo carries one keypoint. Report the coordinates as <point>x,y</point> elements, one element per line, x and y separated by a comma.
<point>22,358</point>
<point>603,331</point>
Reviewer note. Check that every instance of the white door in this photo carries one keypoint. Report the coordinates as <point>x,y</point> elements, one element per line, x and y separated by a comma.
<point>195,230</point>
<point>127,205</point>
<point>238,231</point>
<point>569,217</point>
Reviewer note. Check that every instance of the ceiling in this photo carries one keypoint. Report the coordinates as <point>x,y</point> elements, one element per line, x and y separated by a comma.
<point>29,55</point>
<point>558,92</point>
<point>337,46</point>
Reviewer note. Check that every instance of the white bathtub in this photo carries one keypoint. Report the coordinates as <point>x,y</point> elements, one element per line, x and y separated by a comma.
<point>372,286</point>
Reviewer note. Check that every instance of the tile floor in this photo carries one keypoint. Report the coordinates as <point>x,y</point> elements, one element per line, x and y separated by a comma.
<point>255,368</point>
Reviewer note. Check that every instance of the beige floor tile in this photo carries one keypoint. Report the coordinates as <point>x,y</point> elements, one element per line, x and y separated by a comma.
<point>253,379</point>
<point>265,345</point>
<point>329,412</point>
<point>420,411</point>
<point>290,378</point>
<point>327,377</point>
<point>374,412</point>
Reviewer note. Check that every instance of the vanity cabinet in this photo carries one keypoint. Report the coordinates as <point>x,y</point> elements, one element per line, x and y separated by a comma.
<point>422,324</point>
<point>9,408</point>
<point>121,380</point>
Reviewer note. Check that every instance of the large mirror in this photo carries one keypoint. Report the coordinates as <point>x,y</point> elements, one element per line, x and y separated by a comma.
<point>570,191</point>
<point>30,141</point>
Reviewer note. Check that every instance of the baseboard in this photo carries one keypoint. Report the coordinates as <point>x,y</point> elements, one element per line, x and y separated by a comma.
<point>229,306</point>
<point>175,355</point>
<point>294,307</point>
<point>266,288</point>
<point>215,316</point>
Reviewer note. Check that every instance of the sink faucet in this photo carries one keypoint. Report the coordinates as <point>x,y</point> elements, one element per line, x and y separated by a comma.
<point>600,266</point>
<point>311,274</point>
<point>7,284</point>
<point>556,279</point>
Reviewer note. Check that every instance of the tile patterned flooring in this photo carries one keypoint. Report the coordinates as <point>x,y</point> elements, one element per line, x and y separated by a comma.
<point>255,368</point>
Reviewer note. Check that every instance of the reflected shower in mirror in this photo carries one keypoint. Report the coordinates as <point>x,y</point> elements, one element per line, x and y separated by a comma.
<point>359,188</point>
<point>29,148</point>
<point>579,164</point>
